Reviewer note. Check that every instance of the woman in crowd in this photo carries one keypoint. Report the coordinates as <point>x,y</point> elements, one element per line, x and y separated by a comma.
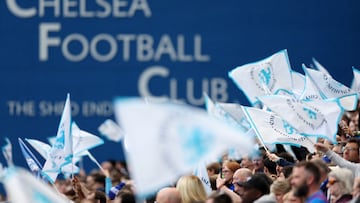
<point>340,184</point>
<point>191,189</point>
<point>227,173</point>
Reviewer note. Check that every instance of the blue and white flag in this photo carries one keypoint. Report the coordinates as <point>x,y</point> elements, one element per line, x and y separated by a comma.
<point>215,110</point>
<point>298,81</point>
<point>201,172</point>
<point>61,152</point>
<point>271,129</point>
<point>44,150</point>
<point>330,88</point>
<point>83,141</point>
<point>41,147</point>
<point>111,131</point>
<point>7,152</point>
<point>237,113</point>
<point>355,84</point>
<point>311,92</point>
<point>30,158</point>
<point>320,67</point>
<point>273,72</point>
<point>313,118</point>
<point>171,139</point>
<point>22,187</point>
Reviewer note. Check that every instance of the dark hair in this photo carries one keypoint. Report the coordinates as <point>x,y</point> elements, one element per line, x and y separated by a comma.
<point>270,165</point>
<point>324,168</point>
<point>287,171</point>
<point>100,196</point>
<point>311,168</point>
<point>215,166</point>
<point>287,156</point>
<point>354,140</point>
<point>99,178</point>
<point>128,198</point>
<point>222,198</point>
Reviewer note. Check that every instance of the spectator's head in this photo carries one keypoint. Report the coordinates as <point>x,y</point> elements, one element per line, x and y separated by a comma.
<point>323,167</point>
<point>191,189</point>
<point>270,168</point>
<point>219,198</point>
<point>213,168</point>
<point>256,186</point>
<point>351,150</point>
<point>290,197</point>
<point>240,175</point>
<point>305,178</point>
<point>228,170</point>
<point>279,188</point>
<point>246,162</point>
<point>258,163</point>
<point>168,195</point>
<point>340,181</point>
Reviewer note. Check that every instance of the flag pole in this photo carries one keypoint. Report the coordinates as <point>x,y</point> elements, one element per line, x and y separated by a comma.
<point>96,162</point>
<point>262,143</point>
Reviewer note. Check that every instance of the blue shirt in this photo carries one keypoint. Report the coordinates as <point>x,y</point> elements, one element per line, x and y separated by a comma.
<point>317,197</point>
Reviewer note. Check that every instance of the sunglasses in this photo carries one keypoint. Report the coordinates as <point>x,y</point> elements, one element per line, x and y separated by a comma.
<point>332,181</point>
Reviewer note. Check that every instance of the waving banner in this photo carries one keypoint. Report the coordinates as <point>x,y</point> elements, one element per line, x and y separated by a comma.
<point>313,118</point>
<point>176,138</point>
<point>22,187</point>
<point>272,129</point>
<point>330,88</point>
<point>272,72</point>
<point>62,151</point>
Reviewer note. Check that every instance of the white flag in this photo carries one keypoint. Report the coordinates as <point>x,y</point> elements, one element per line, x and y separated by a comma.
<point>30,158</point>
<point>7,152</point>
<point>273,72</point>
<point>111,130</point>
<point>21,186</point>
<point>320,67</point>
<point>313,118</point>
<point>83,141</point>
<point>61,152</point>
<point>298,81</point>
<point>237,113</point>
<point>330,88</point>
<point>201,172</point>
<point>311,92</point>
<point>215,110</point>
<point>271,129</point>
<point>171,139</point>
<point>44,150</point>
<point>355,84</point>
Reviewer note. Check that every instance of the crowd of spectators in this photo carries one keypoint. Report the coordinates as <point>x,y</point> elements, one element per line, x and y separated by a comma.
<point>331,174</point>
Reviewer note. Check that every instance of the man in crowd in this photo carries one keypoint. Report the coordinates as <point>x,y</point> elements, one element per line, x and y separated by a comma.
<point>306,182</point>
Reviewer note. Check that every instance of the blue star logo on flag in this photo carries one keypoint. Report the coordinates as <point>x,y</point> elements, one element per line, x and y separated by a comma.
<point>196,142</point>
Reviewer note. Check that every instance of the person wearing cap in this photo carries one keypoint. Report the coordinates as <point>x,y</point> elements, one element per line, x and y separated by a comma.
<point>306,182</point>
<point>254,188</point>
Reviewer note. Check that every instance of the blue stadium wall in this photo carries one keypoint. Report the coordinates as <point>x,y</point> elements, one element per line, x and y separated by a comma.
<point>99,50</point>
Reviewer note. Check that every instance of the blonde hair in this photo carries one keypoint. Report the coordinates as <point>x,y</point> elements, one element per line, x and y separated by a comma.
<point>280,186</point>
<point>191,189</point>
